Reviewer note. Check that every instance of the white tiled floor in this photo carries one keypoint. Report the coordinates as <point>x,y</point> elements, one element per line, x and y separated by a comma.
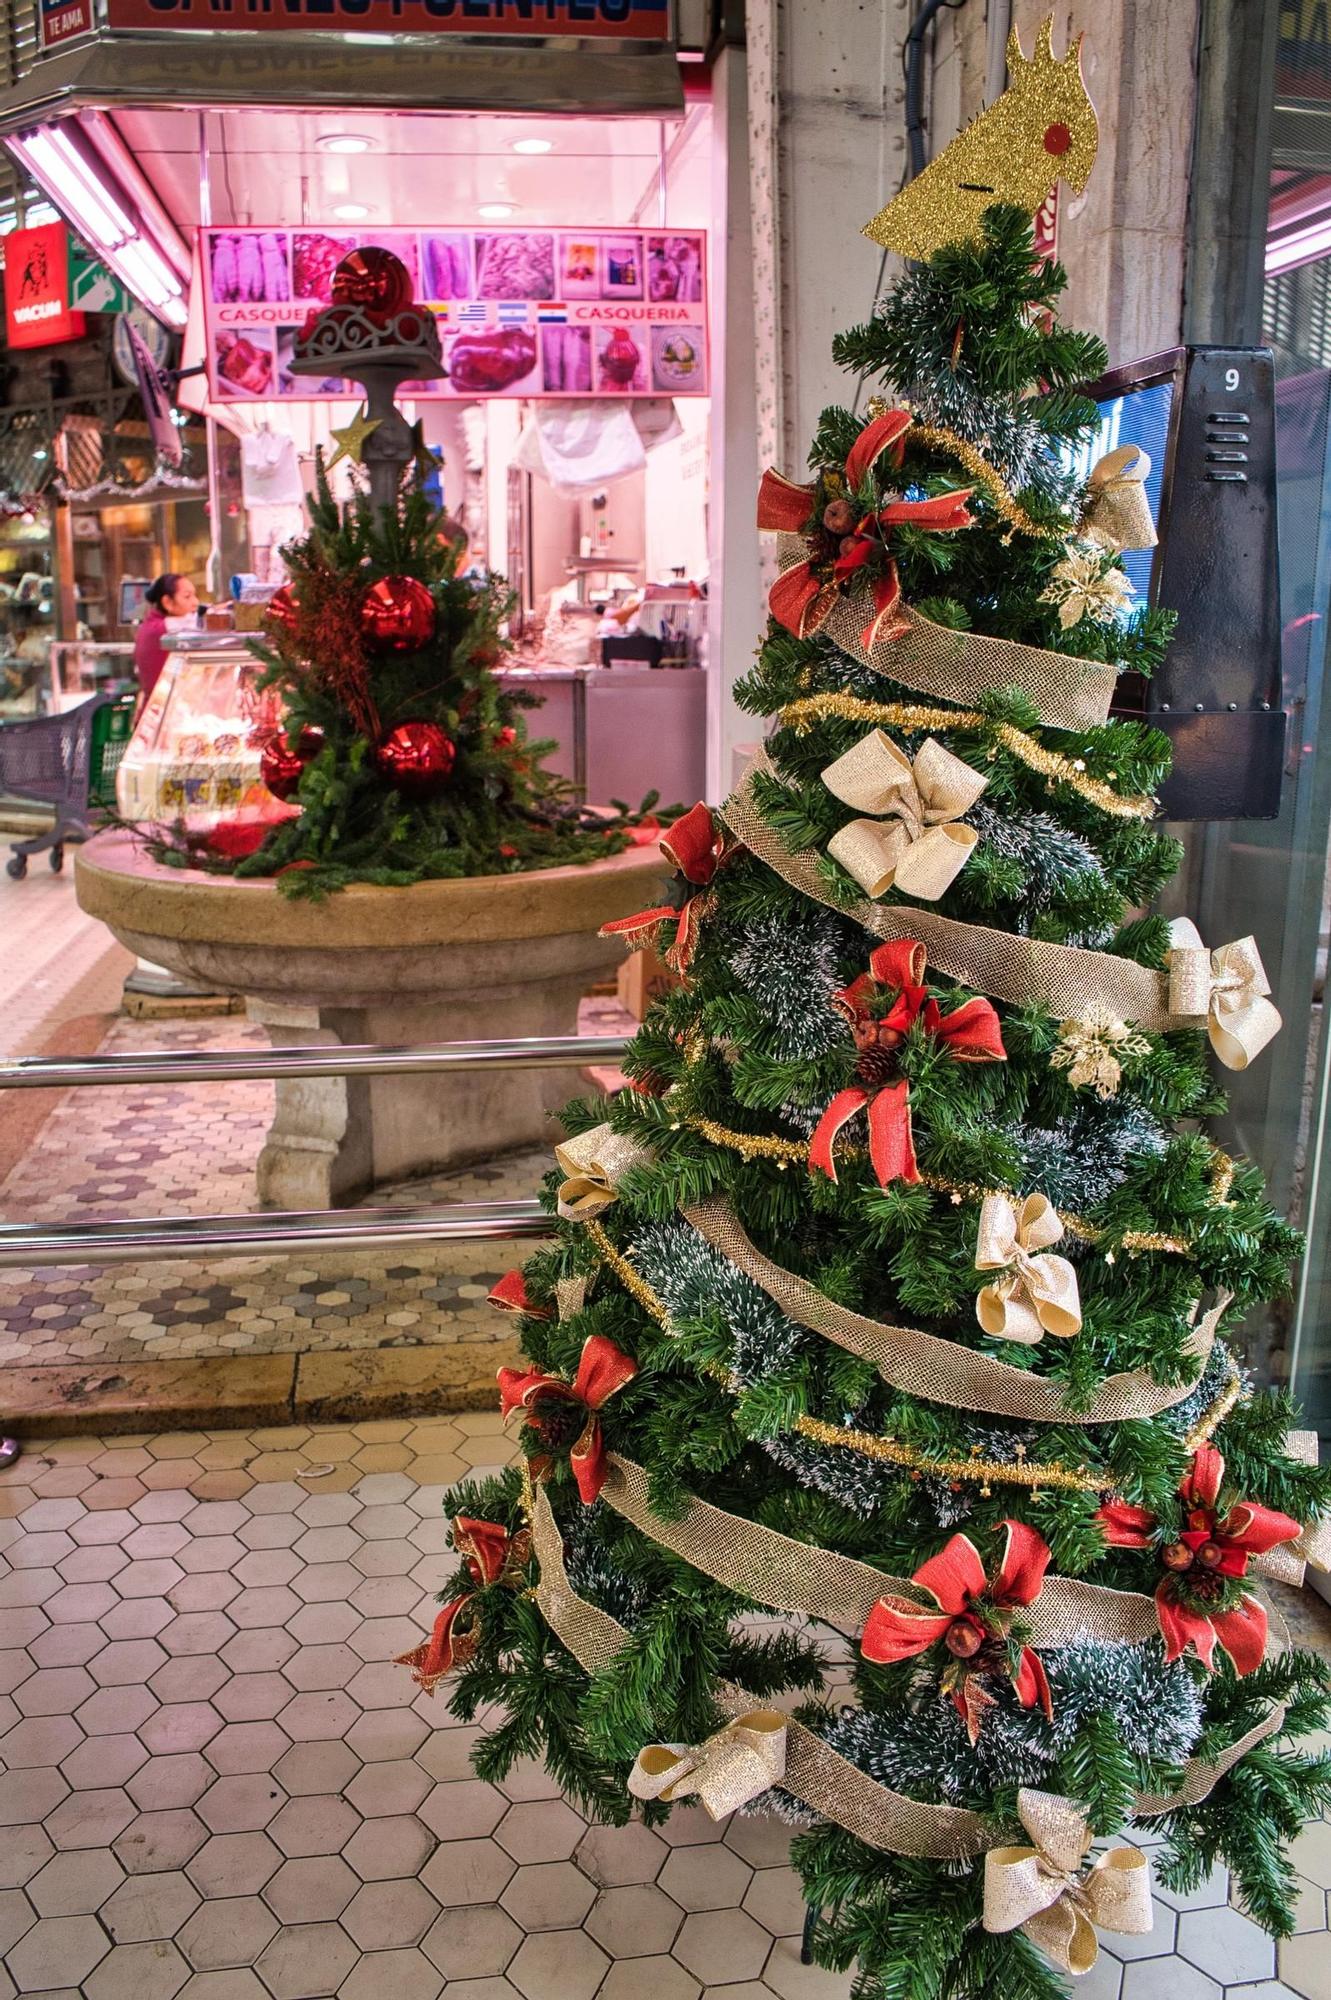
<point>214,1784</point>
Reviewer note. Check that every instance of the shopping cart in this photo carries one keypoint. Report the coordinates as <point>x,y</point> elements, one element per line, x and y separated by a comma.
<point>67,762</point>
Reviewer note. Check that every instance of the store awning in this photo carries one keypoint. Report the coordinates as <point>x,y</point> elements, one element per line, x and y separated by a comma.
<point>405,72</point>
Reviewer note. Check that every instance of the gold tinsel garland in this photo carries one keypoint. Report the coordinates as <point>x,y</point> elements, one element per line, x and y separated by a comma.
<point>986,1472</point>
<point>787,1152</point>
<point>802,714</point>
<point>1005,506</point>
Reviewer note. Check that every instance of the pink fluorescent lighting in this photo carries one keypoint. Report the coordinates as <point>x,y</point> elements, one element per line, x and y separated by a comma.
<point>1302,246</point>
<point>65,173</point>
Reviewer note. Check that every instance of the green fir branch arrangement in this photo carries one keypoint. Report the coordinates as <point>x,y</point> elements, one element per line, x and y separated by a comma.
<point>733,1390</point>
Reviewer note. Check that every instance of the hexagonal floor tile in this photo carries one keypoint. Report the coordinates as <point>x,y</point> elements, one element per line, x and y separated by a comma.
<point>149,1906</point>
<point>230,1931</point>
<point>722,1946</point>
<point>138,1972</point>
<point>568,1963</point>
<point>315,1888</point>
<point>383,1848</point>
<point>307,1960</point>
<point>384,1915</point>
<point>472,1943</point>
<point>1226,1945</point>
<point>547,1830</point>
<point>551,1896</point>
<point>636,1921</point>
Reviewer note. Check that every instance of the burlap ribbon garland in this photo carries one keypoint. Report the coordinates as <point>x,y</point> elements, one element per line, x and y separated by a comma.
<point>1287,1561</point>
<point>1067,979</point>
<point>786,1575</point>
<point>1036,1293</point>
<point>815,1773</point>
<point>732,1767</point>
<point>1228,986</point>
<point>1047,1890</point>
<point>940,1371</point>
<point>1066,692</point>
<point>919,849</point>
<point>593,1165</point>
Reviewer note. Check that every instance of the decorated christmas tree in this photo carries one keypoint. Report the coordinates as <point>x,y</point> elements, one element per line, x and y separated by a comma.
<point>382,724</point>
<point>883,1335</point>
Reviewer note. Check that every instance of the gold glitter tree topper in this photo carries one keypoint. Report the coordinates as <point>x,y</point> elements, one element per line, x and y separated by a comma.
<point>1041,130</point>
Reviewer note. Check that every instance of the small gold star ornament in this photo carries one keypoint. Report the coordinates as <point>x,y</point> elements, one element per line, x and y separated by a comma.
<point>350,440</point>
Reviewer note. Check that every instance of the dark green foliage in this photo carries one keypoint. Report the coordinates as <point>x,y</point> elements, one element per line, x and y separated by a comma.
<point>755,1045</point>
<point>499,813</point>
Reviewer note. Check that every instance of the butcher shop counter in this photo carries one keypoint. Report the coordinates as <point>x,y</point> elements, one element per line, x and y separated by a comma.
<point>622,731</point>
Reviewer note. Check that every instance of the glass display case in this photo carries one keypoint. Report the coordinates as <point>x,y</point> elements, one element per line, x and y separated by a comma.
<point>194,755</point>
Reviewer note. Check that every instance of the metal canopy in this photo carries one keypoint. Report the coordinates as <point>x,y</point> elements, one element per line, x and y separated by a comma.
<point>214,72</point>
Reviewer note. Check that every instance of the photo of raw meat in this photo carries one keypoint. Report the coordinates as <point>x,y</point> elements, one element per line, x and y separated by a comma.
<point>249,266</point>
<point>448,266</point>
<point>566,360</point>
<point>516,264</point>
<point>244,363</point>
<point>491,359</point>
<point>674,269</point>
<point>405,246</point>
<point>679,359</point>
<point>621,368</point>
<point>621,267</point>
<point>579,268</point>
<point>315,257</point>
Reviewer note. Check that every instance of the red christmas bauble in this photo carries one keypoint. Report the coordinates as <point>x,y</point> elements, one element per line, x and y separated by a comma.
<point>417,758</point>
<point>506,737</point>
<point>283,609</point>
<point>282,764</point>
<point>373,279</point>
<point>397,614</point>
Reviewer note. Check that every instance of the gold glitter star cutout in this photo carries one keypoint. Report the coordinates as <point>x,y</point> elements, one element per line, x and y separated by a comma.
<point>351,438</point>
<point>1041,130</point>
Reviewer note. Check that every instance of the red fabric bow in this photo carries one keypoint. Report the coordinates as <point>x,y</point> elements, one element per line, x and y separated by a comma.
<point>602,1369</point>
<point>803,596</point>
<point>694,845</point>
<point>971,1033</point>
<point>1210,1549</point>
<point>511,1295</point>
<point>974,1617</point>
<point>490,1551</point>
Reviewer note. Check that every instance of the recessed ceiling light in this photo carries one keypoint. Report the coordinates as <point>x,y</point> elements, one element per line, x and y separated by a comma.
<point>351,211</point>
<point>532,145</point>
<point>494,211</point>
<point>344,142</point>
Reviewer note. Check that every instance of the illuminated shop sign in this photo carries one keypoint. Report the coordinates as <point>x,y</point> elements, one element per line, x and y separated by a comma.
<point>37,308</point>
<point>612,20</point>
<point>522,312</point>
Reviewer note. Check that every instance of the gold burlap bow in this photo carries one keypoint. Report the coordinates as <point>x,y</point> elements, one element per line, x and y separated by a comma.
<point>1117,512</point>
<point>1227,988</point>
<point>1286,1562</point>
<point>1045,1891</point>
<point>593,1165</point>
<point>725,1772</point>
<point>918,850</point>
<point>1036,1294</point>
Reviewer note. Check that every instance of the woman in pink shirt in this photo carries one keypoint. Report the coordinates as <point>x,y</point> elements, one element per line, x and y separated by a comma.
<point>172,596</point>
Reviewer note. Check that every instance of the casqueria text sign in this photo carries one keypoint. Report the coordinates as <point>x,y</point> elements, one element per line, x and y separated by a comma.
<point>521,312</point>
<point>611,20</point>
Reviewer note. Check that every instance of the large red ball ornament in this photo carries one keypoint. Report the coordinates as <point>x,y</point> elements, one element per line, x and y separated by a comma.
<point>373,279</point>
<point>397,615</point>
<point>283,610</point>
<point>417,758</point>
<point>282,764</point>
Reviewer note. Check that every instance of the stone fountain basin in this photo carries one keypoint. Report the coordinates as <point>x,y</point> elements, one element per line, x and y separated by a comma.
<point>473,960</point>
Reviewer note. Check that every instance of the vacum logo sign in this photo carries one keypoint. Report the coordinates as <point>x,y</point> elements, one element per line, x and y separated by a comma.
<point>37,308</point>
<point>611,20</point>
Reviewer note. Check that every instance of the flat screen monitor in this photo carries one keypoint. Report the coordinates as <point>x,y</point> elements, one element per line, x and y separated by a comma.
<point>133,591</point>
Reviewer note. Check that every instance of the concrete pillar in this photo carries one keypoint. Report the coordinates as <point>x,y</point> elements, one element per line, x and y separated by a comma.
<point>811,142</point>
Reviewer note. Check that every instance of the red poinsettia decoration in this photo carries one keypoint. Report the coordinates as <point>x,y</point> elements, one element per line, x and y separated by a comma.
<point>847,546</point>
<point>695,846</point>
<point>971,1033</point>
<point>1194,1599</point>
<point>547,1402</point>
<point>973,1623</point>
<point>491,1553</point>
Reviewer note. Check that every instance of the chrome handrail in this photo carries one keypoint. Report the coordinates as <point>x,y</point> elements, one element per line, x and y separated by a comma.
<point>246,1065</point>
<point>28,1246</point>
